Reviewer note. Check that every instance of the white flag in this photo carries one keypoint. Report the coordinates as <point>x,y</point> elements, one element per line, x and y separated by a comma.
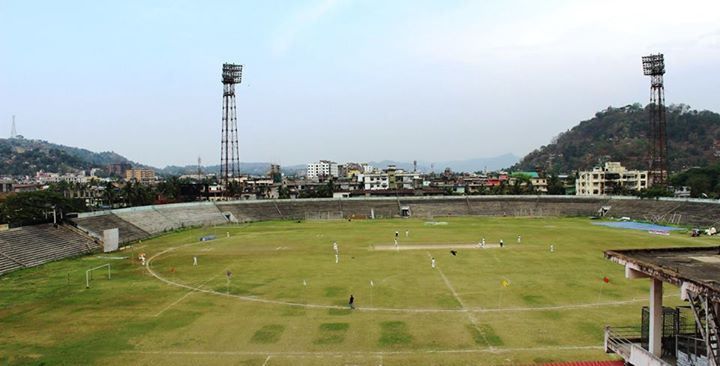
<point>372,284</point>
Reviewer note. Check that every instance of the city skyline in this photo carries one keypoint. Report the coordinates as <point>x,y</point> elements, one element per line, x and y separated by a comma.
<point>344,80</point>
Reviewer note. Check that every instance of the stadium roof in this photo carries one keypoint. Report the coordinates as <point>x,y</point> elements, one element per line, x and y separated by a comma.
<point>694,268</point>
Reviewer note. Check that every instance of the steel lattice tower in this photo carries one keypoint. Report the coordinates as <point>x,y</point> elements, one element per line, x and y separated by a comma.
<point>654,66</point>
<point>229,151</point>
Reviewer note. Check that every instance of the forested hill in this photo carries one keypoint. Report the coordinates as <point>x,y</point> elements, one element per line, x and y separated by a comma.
<point>25,157</point>
<point>620,134</point>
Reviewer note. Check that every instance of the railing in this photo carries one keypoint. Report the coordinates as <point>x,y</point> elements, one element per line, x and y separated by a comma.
<point>620,340</point>
<point>691,349</point>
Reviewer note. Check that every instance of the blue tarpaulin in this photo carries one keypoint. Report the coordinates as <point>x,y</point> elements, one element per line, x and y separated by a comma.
<point>637,226</point>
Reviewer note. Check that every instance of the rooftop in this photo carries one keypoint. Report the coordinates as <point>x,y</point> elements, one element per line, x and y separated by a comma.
<point>697,267</point>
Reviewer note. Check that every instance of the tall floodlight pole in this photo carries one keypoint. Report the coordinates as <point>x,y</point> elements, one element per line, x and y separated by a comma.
<point>654,66</point>
<point>229,151</point>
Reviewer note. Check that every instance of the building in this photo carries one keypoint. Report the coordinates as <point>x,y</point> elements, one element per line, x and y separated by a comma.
<point>323,168</point>
<point>6,185</point>
<point>118,170</point>
<point>47,177</point>
<point>612,178</point>
<point>539,184</point>
<point>140,175</point>
<point>391,178</point>
<point>683,335</point>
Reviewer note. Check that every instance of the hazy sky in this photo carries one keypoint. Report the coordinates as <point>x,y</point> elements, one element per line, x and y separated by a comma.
<point>342,80</point>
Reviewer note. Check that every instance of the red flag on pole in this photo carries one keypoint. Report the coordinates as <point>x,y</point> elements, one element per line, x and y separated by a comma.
<point>606,280</point>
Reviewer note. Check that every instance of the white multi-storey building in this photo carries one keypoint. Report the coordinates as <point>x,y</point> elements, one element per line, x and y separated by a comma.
<point>323,168</point>
<point>391,178</point>
<point>611,178</point>
<point>46,177</point>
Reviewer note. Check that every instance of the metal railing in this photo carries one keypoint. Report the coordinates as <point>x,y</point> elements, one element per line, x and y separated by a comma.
<point>620,339</point>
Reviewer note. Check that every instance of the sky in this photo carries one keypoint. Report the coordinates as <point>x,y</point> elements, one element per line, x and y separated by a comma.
<point>341,79</point>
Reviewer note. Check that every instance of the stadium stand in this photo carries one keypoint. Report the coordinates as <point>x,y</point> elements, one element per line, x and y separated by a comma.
<point>158,219</point>
<point>192,214</point>
<point>30,246</point>
<point>94,225</point>
<point>146,218</point>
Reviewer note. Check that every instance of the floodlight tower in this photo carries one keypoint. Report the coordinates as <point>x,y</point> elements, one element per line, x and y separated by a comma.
<point>654,66</point>
<point>229,152</point>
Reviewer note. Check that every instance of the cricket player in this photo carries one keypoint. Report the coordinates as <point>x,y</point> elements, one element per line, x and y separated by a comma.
<point>194,261</point>
<point>432,262</point>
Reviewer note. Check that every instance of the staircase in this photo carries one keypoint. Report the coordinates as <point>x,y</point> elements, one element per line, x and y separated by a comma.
<point>707,322</point>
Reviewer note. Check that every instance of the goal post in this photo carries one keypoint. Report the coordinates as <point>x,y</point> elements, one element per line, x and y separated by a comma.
<point>88,273</point>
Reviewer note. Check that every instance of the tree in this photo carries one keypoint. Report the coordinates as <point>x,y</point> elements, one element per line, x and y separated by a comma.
<point>109,194</point>
<point>28,208</point>
<point>555,185</point>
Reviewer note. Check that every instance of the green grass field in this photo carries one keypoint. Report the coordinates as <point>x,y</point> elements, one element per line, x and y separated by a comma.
<point>286,301</point>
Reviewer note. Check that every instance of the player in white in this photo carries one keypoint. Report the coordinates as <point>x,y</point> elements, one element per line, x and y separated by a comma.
<point>407,233</point>
<point>337,258</point>
<point>335,247</point>
<point>482,243</point>
<point>194,261</point>
<point>519,239</point>
<point>432,262</point>
<point>552,248</point>
<point>142,258</point>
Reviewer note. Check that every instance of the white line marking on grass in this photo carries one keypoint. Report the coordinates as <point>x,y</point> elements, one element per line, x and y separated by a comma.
<point>365,353</point>
<point>186,295</point>
<point>266,360</point>
<point>469,314</point>
<point>390,310</point>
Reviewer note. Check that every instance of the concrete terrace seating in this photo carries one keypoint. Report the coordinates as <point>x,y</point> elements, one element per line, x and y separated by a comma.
<point>147,219</point>
<point>647,210</point>
<point>8,265</point>
<point>194,214</point>
<point>252,211</point>
<point>96,224</point>
<point>161,218</point>
<point>35,245</point>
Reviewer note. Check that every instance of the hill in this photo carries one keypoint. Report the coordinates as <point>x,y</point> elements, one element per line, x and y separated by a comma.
<point>25,157</point>
<point>620,134</point>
